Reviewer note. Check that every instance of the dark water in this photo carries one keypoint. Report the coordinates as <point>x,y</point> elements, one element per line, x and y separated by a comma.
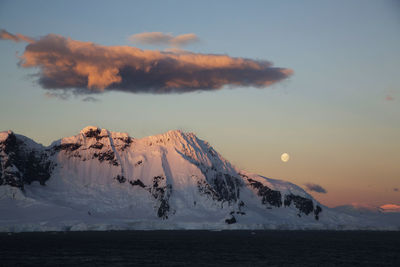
<point>192,248</point>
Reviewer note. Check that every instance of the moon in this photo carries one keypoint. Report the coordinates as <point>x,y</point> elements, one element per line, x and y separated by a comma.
<point>285,157</point>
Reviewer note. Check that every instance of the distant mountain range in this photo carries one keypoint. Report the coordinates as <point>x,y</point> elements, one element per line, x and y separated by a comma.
<point>102,180</point>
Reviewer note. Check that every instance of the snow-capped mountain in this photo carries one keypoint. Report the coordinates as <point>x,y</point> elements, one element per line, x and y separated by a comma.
<point>107,180</point>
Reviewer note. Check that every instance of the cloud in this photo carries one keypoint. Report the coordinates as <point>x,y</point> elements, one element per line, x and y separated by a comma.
<point>315,187</point>
<point>66,95</point>
<point>390,208</point>
<point>90,99</point>
<point>359,208</point>
<point>87,68</point>
<point>395,189</point>
<point>159,38</point>
<point>184,39</point>
<point>5,35</point>
<point>389,98</point>
<point>58,95</point>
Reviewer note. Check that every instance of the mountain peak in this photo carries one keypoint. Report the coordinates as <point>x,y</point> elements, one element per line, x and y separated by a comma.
<point>168,180</point>
<point>90,129</point>
<point>178,134</point>
<point>172,136</point>
<point>4,135</point>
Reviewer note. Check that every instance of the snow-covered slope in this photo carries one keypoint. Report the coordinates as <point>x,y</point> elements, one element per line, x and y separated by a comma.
<point>106,180</point>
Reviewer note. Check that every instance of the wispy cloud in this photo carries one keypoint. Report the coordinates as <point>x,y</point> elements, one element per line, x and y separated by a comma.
<point>5,35</point>
<point>315,187</point>
<point>66,95</point>
<point>87,68</point>
<point>57,95</point>
<point>90,99</point>
<point>389,98</point>
<point>159,38</point>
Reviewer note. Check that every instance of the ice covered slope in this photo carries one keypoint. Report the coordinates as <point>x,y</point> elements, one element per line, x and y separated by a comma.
<point>106,180</point>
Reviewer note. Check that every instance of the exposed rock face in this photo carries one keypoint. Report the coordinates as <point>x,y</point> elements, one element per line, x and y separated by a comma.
<point>107,156</point>
<point>22,165</point>
<point>227,186</point>
<point>97,145</point>
<point>231,220</point>
<point>161,192</point>
<point>92,132</point>
<point>138,183</point>
<point>127,141</point>
<point>268,195</point>
<point>220,186</point>
<point>317,211</point>
<point>66,147</point>
<point>304,205</point>
<point>120,178</point>
<point>206,189</point>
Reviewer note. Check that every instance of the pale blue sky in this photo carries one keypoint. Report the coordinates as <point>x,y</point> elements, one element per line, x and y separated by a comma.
<point>332,115</point>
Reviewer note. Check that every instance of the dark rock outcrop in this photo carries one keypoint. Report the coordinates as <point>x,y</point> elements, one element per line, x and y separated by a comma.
<point>137,182</point>
<point>162,194</point>
<point>97,145</point>
<point>304,205</point>
<point>220,186</point>
<point>106,156</point>
<point>120,178</point>
<point>269,196</point>
<point>317,211</point>
<point>206,189</point>
<point>231,220</point>
<point>127,141</point>
<point>226,186</point>
<point>21,165</point>
<point>70,147</point>
<point>93,133</point>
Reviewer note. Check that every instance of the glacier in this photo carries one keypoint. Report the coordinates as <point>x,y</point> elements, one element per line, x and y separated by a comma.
<point>104,180</point>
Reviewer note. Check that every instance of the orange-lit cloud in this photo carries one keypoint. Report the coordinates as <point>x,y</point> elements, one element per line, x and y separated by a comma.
<point>5,35</point>
<point>389,98</point>
<point>315,187</point>
<point>86,67</point>
<point>390,208</point>
<point>159,38</point>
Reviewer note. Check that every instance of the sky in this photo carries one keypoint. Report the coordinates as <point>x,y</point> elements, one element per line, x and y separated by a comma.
<point>318,80</point>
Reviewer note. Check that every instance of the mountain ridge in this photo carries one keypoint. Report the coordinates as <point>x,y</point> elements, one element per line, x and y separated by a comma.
<point>171,180</point>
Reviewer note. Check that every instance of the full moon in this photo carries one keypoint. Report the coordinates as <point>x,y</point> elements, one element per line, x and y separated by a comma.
<point>285,157</point>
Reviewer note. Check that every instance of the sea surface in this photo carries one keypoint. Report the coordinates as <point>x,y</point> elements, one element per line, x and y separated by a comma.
<point>201,248</point>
